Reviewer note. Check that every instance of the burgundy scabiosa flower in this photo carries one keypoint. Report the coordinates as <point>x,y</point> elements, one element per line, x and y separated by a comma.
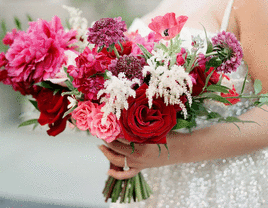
<point>229,50</point>
<point>131,66</point>
<point>107,31</point>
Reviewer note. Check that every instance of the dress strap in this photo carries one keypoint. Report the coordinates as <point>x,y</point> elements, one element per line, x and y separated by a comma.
<point>226,17</point>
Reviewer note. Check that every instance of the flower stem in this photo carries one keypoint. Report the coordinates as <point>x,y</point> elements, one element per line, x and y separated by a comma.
<point>116,52</point>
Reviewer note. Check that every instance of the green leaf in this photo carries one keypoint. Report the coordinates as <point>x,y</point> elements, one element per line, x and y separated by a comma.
<point>4,26</point>
<point>244,83</point>
<point>56,91</point>
<point>207,80</point>
<point>257,86</point>
<point>218,88</point>
<point>209,44</point>
<point>173,60</point>
<point>264,98</point>
<point>232,119</point>
<point>162,46</point>
<point>100,48</point>
<point>159,148</point>
<point>145,51</point>
<point>121,46</point>
<point>45,84</point>
<point>68,24</point>
<point>30,19</point>
<point>29,122</point>
<point>216,97</point>
<point>34,103</point>
<point>105,75</point>
<point>17,23</point>
<point>213,115</point>
<point>69,85</point>
<point>213,62</point>
<point>181,123</point>
<point>132,146</point>
<point>68,75</point>
<point>69,111</point>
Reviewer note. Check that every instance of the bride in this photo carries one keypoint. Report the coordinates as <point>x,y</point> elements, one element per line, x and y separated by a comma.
<point>217,166</point>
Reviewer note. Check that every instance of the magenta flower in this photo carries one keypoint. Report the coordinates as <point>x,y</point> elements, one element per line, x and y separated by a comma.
<point>107,31</point>
<point>38,53</point>
<point>131,66</point>
<point>230,51</point>
<point>167,26</point>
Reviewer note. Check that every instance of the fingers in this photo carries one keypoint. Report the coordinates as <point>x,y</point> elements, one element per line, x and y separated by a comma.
<point>121,148</point>
<point>121,175</point>
<point>115,158</point>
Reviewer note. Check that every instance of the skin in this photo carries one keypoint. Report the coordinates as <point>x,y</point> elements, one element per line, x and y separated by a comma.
<point>248,21</point>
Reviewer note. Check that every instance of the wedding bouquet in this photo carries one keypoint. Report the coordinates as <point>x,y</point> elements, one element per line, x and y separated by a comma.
<point>116,84</point>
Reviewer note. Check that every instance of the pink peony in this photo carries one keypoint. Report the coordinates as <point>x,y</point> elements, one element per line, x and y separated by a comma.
<point>10,37</point>
<point>84,114</point>
<point>109,131</point>
<point>38,53</point>
<point>167,26</point>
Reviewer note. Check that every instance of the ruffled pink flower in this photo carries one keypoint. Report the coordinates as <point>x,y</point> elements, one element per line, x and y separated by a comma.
<point>228,45</point>
<point>109,131</point>
<point>84,114</point>
<point>181,57</point>
<point>148,42</point>
<point>10,37</point>
<point>167,26</point>
<point>107,31</point>
<point>38,54</point>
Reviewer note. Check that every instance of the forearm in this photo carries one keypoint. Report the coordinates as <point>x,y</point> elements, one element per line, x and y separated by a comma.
<point>222,140</point>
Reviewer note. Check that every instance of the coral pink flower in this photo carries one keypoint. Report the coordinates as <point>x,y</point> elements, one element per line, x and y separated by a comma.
<point>167,26</point>
<point>84,114</point>
<point>109,131</point>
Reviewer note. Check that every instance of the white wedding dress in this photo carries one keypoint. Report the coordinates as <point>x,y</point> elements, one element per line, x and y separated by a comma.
<point>234,182</point>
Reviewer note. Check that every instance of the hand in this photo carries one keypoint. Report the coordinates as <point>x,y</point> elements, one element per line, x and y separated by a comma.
<point>144,156</point>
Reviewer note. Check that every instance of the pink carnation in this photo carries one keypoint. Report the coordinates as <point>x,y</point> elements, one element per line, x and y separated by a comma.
<point>84,114</point>
<point>10,37</point>
<point>37,54</point>
<point>89,63</point>
<point>108,131</point>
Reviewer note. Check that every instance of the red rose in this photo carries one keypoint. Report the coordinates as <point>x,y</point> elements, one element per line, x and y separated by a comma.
<point>232,93</point>
<point>127,47</point>
<point>199,74</point>
<point>140,124</point>
<point>52,108</point>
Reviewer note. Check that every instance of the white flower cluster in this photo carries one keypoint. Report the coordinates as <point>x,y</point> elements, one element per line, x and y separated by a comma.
<point>80,25</point>
<point>117,90</point>
<point>170,83</point>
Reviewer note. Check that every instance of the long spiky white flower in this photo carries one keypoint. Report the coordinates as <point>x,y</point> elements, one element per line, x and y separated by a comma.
<point>169,83</point>
<point>117,90</point>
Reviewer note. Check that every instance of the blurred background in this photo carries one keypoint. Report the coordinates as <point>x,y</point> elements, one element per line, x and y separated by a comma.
<point>41,171</point>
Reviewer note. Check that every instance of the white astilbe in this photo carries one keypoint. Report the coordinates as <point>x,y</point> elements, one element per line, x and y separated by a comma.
<point>170,84</point>
<point>117,90</point>
<point>79,24</point>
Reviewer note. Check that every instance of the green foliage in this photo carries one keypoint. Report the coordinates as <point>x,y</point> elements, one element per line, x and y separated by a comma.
<point>17,23</point>
<point>29,122</point>
<point>34,103</point>
<point>146,53</point>
<point>257,86</point>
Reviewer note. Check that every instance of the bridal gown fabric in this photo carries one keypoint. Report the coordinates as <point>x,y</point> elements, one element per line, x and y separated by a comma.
<point>233,182</point>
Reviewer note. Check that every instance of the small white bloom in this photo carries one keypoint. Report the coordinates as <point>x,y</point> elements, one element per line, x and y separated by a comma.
<point>80,25</point>
<point>170,84</point>
<point>118,90</point>
<point>72,100</point>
